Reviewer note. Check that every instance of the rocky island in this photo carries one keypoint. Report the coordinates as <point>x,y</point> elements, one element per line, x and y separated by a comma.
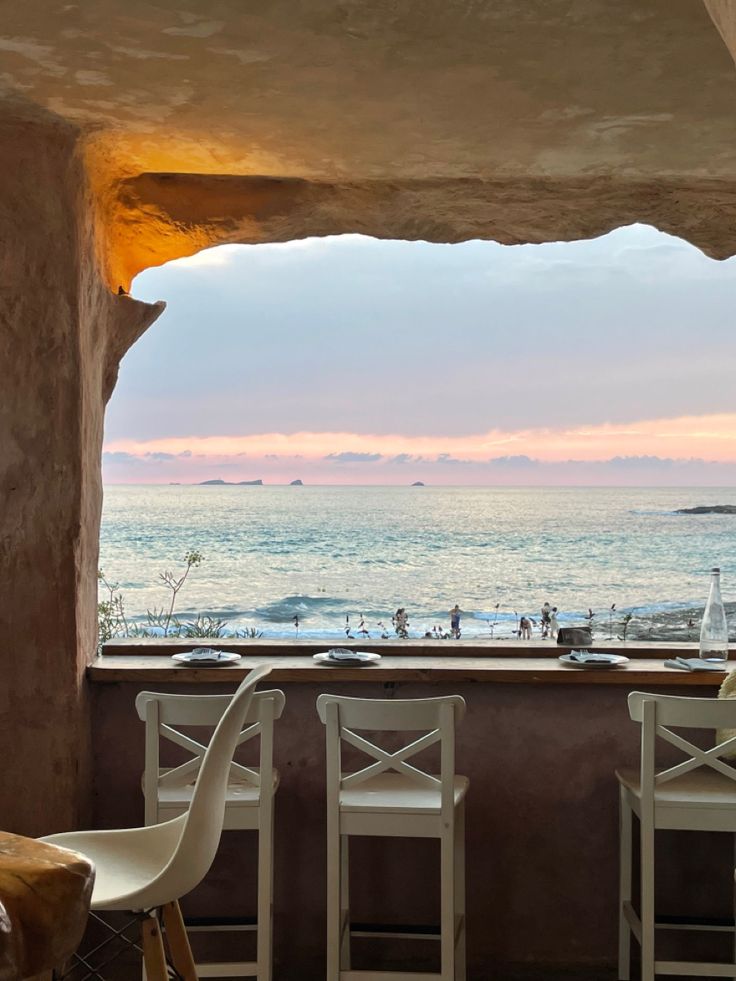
<point>230,483</point>
<point>709,509</point>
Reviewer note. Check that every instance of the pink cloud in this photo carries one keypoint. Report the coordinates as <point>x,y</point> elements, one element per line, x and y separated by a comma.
<point>709,438</point>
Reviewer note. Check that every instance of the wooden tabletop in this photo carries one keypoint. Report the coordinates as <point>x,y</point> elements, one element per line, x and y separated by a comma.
<point>44,900</point>
<point>149,668</point>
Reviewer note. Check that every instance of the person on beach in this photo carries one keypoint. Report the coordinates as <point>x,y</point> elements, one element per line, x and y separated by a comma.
<point>546,611</point>
<point>455,614</point>
<point>525,629</point>
<point>554,627</point>
<point>401,622</point>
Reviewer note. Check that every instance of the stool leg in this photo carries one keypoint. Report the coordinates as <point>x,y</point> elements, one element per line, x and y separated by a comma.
<point>624,887</point>
<point>264,949</point>
<point>153,950</point>
<point>460,891</point>
<point>178,942</point>
<point>344,902</point>
<point>447,903</point>
<point>333,896</point>
<point>647,899</point>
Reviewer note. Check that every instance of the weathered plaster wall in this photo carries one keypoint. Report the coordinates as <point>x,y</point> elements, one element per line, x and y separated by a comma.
<point>61,336</point>
<point>542,834</point>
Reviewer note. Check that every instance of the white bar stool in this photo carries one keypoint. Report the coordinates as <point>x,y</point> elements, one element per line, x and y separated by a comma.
<point>392,797</point>
<point>249,801</point>
<point>697,794</point>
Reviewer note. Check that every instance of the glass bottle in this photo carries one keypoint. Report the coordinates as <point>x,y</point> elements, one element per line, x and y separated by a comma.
<point>714,628</point>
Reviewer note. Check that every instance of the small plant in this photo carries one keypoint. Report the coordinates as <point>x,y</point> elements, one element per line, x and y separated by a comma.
<point>590,616</point>
<point>111,611</point>
<point>625,621</point>
<point>192,560</point>
<point>611,613</point>
<point>202,626</point>
<point>348,635</point>
<point>249,633</point>
<point>362,629</point>
<point>492,625</point>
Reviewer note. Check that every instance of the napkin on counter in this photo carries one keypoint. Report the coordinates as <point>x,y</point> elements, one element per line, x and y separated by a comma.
<point>693,664</point>
<point>589,657</point>
<point>343,654</point>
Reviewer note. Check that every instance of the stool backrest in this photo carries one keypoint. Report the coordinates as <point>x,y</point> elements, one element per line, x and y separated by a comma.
<point>201,826</point>
<point>659,714</point>
<point>435,717</point>
<point>163,712</point>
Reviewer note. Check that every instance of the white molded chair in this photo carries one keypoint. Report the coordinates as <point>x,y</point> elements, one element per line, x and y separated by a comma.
<point>249,802</point>
<point>391,796</point>
<point>147,870</point>
<point>697,794</point>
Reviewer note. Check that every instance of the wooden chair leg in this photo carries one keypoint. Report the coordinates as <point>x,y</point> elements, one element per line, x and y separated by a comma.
<point>333,897</point>
<point>460,955</point>
<point>624,886</point>
<point>447,904</point>
<point>264,942</point>
<point>154,957</point>
<point>344,902</point>
<point>178,942</point>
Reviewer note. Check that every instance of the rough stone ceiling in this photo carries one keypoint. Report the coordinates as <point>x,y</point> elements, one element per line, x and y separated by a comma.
<point>370,97</point>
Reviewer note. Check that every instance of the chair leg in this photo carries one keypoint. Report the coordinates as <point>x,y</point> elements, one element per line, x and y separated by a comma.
<point>344,902</point>
<point>333,897</point>
<point>153,950</point>
<point>447,904</point>
<point>647,901</point>
<point>624,886</point>
<point>460,967</point>
<point>178,942</point>
<point>264,950</point>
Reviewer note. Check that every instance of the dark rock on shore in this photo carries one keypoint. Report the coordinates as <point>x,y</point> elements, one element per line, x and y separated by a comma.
<point>296,483</point>
<point>418,483</point>
<point>709,509</point>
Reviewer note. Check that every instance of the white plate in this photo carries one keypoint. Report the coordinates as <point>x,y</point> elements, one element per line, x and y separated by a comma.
<point>611,661</point>
<point>362,658</point>
<point>196,659</point>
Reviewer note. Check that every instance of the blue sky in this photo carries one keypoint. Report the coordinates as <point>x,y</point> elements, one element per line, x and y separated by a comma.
<point>356,360</point>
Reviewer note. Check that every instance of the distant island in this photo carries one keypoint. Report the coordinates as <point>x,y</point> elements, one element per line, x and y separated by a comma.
<point>709,509</point>
<point>296,483</point>
<point>230,483</point>
<point>418,483</point>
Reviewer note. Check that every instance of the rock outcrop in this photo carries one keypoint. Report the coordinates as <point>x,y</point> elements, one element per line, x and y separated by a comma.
<point>709,509</point>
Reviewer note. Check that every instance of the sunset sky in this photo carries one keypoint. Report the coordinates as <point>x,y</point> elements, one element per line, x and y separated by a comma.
<point>349,360</point>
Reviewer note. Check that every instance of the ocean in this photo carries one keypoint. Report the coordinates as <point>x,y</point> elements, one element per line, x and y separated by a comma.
<point>325,554</point>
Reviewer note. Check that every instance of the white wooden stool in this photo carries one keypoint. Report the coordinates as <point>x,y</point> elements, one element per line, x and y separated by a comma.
<point>697,794</point>
<point>392,797</point>
<point>249,801</point>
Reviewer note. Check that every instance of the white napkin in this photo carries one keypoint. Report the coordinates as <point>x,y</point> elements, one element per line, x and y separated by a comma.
<point>204,654</point>
<point>343,654</point>
<point>693,664</point>
<point>588,657</point>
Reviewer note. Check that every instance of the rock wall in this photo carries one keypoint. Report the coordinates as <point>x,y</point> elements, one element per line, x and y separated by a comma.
<point>62,334</point>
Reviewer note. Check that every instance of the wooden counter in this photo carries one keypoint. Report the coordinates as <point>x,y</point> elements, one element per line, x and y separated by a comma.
<point>548,670</point>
